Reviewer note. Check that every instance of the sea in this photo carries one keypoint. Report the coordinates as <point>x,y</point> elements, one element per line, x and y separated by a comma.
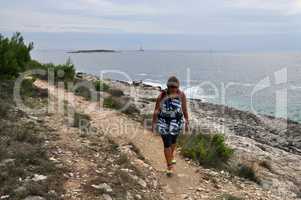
<point>260,82</point>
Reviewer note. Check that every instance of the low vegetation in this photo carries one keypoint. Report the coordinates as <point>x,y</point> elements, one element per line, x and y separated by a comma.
<point>83,92</point>
<point>229,197</point>
<point>15,58</point>
<point>209,150</point>
<point>62,72</point>
<point>23,154</point>
<point>122,104</point>
<point>247,172</point>
<point>116,92</point>
<point>81,120</point>
<point>109,102</point>
<point>101,86</point>
<point>90,90</point>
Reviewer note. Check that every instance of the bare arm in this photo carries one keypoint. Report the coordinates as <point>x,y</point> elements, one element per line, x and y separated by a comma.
<point>184,107</point>
<point>156,112</point>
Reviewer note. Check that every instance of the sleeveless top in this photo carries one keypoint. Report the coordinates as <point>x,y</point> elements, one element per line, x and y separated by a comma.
<point>170,117</point>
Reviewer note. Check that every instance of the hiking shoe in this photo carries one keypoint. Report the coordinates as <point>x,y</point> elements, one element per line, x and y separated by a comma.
<point>169,173</point>
<point>174,161</point>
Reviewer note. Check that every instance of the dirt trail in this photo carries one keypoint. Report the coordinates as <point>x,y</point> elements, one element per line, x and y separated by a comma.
<point>66,150</point>
<point>185,180</point>
<point>124,130</point>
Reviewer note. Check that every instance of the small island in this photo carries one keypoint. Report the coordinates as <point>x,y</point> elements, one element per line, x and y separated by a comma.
<point>94,51</point>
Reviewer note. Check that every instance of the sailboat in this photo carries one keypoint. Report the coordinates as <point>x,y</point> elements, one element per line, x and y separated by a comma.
<point>141,48</point>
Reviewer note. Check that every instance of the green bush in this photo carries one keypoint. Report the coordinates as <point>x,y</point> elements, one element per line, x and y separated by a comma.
<point>116,92</point>
<point>14,55</point>
<point>101,86</point>
<point>247,172</point>
<point>209,150</point>
<point>27,88</point>
<point>62,72</point>
<point>33,64</point>
<point>109,102</point>
<point>15,58</point>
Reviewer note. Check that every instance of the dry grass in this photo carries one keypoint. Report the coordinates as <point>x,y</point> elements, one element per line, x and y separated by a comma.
<point>229,197</point>
<point>22,149</point>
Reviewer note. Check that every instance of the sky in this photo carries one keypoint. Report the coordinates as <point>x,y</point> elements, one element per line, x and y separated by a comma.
<point>268,25</point>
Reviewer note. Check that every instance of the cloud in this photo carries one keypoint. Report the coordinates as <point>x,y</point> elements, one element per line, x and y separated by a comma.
<point>153,17</point>
<point>281,6</point>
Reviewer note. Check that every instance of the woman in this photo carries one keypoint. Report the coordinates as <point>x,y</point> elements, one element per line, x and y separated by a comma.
<point>170,109</point>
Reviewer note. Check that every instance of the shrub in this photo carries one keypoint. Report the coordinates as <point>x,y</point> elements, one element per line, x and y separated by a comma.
<point>63,72</point>
<point>26,134</point>
<point>15,58</point>
<point>116,92</point>
<point>123,160</point>
<point>22,148</point>
<point>83,91</point>
<point>28,89</point>
<point>81,120</point>
<point>109,102</point>
<point>88,89</point>
<point>33,64</point>
<point>14,55</point>
<point>121,103</point>
<point>4,109</point>
<point>247,172</point>
<point>209,150</point>
<point>101,86</point>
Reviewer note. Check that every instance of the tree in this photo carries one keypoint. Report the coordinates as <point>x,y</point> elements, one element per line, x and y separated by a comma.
<point>14,55</point>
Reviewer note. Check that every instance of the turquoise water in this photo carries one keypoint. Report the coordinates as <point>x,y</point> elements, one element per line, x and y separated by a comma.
<point>256,82</point>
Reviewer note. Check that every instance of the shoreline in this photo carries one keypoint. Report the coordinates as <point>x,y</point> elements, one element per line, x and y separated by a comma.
<point>158,86</point>
<point>269,130</point>
<point>271,145</point>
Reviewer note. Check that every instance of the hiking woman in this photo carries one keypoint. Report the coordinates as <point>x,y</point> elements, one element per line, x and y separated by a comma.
<point>168,119</point>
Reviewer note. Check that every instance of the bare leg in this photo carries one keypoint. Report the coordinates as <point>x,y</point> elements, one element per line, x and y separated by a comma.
<point>168,157</point>
<point>173,150</point>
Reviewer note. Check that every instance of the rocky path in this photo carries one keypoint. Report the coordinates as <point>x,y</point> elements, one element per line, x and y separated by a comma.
<point>65,150</point>
<point>95,166</point>
<point>189,181</point>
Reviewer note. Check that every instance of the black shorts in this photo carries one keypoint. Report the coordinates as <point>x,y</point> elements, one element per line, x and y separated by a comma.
<point>169,140</point>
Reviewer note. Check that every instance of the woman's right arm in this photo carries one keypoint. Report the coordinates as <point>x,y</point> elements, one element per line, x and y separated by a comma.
<point>156,112</point>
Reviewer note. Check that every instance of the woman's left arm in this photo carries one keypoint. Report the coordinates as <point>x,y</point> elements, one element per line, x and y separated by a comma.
<point>184,108</point>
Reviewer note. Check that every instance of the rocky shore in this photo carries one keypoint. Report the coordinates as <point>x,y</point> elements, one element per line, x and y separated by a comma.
<point>271,146</point>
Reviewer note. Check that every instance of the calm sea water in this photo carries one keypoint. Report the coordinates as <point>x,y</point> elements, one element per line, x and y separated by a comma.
<point>268,83</point>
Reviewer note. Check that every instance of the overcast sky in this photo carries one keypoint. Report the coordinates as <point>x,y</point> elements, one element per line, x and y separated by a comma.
<point>156,24</point>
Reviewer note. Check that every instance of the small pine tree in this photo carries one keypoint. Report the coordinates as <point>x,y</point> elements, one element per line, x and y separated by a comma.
<point>14,55</point>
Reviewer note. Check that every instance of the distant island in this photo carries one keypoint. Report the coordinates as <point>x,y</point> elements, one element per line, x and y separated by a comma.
<point>94,51</point>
